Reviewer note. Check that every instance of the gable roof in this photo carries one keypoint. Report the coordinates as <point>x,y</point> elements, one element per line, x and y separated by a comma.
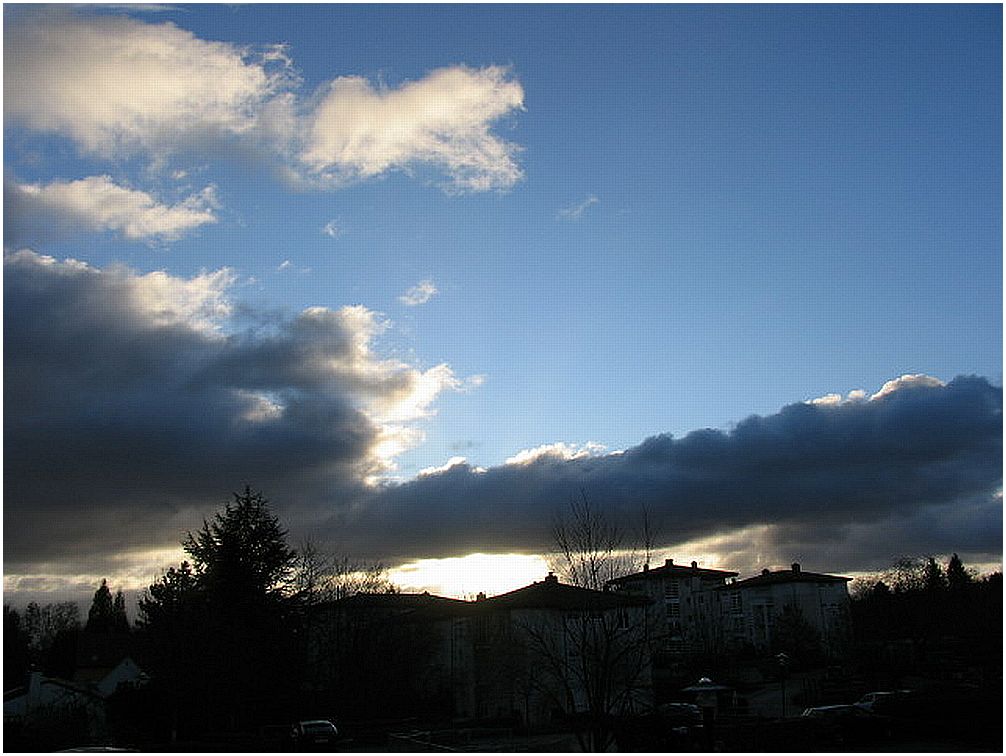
<point>794,575</point>
<point>551,594</point>
<point>670,569</point>
<point>394,601</point>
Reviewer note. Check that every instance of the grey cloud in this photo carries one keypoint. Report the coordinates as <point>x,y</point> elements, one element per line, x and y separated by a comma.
<point>122,430</point>
<point>923,459</point>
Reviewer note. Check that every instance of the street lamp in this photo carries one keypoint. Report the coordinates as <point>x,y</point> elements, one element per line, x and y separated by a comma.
<point>783,660</point>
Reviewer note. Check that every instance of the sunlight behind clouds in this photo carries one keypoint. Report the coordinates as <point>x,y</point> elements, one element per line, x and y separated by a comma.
<point>466,576</point>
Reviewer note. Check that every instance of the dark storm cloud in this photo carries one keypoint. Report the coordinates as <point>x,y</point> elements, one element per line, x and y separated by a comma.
<point>127,417</point>
<point>925,457</point>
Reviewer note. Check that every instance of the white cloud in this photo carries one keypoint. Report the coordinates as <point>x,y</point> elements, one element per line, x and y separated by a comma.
<point>331,229</point>
<point>115,84</point>
<point>419,294</point>
<point>443,119</point>
<point>896,384</point>
<point>573,212</point>
<point>452,462</point>
<point>284,265</point>
<point>557,451</point>
<point>907,381</point>
<point>200,302</point>
<point>96,203</point>
<point>118,86</point>
<point>474,381</point>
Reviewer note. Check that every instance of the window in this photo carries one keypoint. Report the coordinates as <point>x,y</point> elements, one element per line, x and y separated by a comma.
<point>672,589</point>
<point>674,611</point>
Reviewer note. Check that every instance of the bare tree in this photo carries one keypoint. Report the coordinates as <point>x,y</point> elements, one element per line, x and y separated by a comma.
<point>593,662</point>
<point>321,577</point>
<point>590,547</point>
<point>590,655</point>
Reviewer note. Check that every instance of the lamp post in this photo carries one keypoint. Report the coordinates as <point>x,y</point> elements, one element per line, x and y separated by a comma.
<point>783,660</point>
<point>707,698</point>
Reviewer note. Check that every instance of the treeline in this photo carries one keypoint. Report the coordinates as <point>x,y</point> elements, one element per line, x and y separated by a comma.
<point>926,618</point>
<point>241,634</point>
<point>47,637</point>
<point>224,636</point>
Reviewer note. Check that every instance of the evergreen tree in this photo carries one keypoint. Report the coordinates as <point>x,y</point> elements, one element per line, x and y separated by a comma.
<point>933,578</point>
<point>958,578</point>
<point>99,617</point>
<point>120,622</point>
<point>242,555</point>
<point>15,649</point>
<point>221,630</point>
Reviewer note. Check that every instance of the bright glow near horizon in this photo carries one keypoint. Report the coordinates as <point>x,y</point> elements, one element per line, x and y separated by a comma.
<point>466,576</point>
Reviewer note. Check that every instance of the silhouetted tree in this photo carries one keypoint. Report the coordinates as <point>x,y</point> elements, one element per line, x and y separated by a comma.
<point>958,578</point>
<point>590,546</point>
<point>319,577</point>
<point>120,620</point>
<point>935,613</point>
<point>242,554</point>
<point>99,616</point>
<point>43,624</point>
<point>595,655</point>
<point>933,578</point>
<point>15,649</point>
<point>795,636</point>
<point>222,629</point>
<point>51,631</point>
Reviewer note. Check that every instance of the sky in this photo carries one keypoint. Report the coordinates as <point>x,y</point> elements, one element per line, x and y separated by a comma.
<point>424,274</point>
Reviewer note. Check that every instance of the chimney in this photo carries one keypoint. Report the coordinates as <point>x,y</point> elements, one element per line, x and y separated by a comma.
<point>765,571</point>
<point>646,567</point>
<point>796,566</point>
<point>669,563</point>
<point>481,596</point>
<point>551,578</point>
<point>695,565</point>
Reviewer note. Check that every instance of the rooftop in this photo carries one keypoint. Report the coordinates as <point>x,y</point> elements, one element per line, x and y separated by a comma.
<point>670,569</point>
<point>792,575</point>
<point>551,594</point>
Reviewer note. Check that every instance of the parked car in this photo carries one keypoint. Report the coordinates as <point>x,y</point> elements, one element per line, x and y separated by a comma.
<point>838,711</point>
<point>870,700</point>
<point>314,732</point>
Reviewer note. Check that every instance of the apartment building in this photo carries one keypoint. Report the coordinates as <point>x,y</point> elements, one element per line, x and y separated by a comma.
<point>685,603</point>
<point>751,608</point>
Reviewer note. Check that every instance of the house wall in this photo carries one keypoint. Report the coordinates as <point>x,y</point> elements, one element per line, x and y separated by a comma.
<point>824,605</point>
<point>685,614</point>
<point>530,663</point>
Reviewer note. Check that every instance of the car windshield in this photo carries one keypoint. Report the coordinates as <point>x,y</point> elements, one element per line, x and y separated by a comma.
<point>317,726</point>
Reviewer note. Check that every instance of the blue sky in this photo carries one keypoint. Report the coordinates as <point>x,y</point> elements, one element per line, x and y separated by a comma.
<point>637,220</point>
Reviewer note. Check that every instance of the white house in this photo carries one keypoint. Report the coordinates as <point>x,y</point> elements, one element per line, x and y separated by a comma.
<point>750,607</point>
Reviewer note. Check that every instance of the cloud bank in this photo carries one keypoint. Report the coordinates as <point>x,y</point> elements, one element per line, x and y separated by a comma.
<point>135,403</point>
<point>118,86</point>
<point>914,468</point>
